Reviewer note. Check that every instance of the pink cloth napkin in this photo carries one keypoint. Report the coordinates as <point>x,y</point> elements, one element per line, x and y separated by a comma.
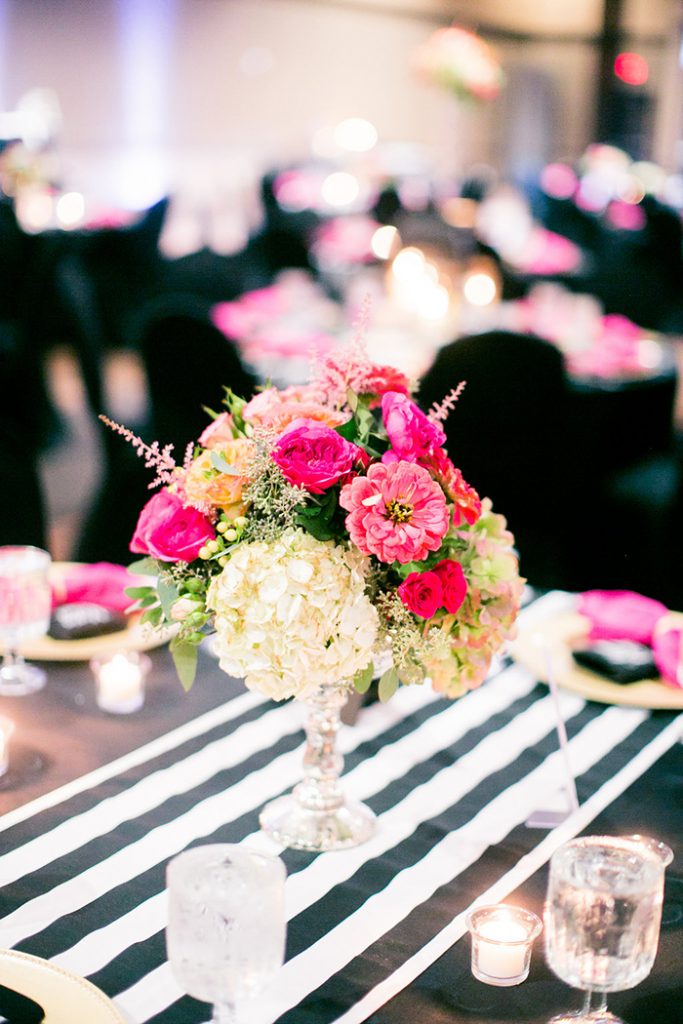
<point>625,615</point>
<point>101,583</point>
<point>667,650</point>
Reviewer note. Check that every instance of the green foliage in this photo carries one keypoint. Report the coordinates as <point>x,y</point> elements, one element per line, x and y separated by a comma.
<point>168,593</point>
<point>235,405</point>
<point>184,653</point>
<point>144,567</point>
<point>219,463</point>
<point>363,678</point>
<point>388,685</point>
<point>317,516</point>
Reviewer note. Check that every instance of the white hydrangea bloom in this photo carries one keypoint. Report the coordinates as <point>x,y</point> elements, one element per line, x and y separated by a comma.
<point>293,614</point>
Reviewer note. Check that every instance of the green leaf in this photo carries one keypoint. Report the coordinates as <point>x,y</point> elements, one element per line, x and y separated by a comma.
<point>388,685</point>
<point>185,660</point>
<point>351,399</point>
<point>363,678</point>
<point>168,595</point>
<point>137,592</point>
<point>347,430</point>
<point>318,528</point>
<point>152,600</point>
<point>219,463</point>
<point>144,567</point>
<point>153,616</point>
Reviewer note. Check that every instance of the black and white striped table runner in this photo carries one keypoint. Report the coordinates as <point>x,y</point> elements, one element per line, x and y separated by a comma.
<point>82,869</point>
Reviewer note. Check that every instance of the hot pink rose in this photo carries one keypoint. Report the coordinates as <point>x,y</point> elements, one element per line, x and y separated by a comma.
<point>314,456</point>
<point>453,583</point>
<point>422,593</point>
<point>412,435</point>
<point>217,433</point>
<point>169,531</point>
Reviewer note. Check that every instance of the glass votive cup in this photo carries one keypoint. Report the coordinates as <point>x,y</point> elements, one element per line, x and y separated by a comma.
<point>502,937</point>
<point>120,681</point>
<point>6,733</point>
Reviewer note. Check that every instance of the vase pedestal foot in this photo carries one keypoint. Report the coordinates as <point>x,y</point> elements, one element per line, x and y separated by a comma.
<point>288,822</point>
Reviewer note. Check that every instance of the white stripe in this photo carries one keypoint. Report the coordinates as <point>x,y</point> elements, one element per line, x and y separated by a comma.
<point>306,887</point>
<point>457,851</point>
<point>161,745</point>
<point>150,792</point>
<point>545,606</point>
<point>523,869</point>
<point>201,820</point>
<point>97,949</point>
<point>178,778</point>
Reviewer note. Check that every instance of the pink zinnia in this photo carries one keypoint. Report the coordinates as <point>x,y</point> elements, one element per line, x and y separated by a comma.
<point>396,512</point>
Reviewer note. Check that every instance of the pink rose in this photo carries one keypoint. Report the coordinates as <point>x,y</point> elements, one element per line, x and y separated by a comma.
<point>412,435</point>
<point>453,583</point>
<point>169,531</point>
<point>217,433</point>
<point>314,456</point>
<point>422,593</point>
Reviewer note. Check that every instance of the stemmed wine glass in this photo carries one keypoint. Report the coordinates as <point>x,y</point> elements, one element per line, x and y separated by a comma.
<point>226,924</point>
<point>25,604</point>
<point>602,917</point>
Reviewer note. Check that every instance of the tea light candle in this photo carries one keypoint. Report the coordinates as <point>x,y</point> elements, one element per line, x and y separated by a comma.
<point>6,731</point>
<point>120,682</point>
<point>501,943</point>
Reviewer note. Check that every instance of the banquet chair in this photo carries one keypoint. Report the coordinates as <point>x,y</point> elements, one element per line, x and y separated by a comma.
<point>22,509</point>
<point>509,435</point>
<point>188,362</point>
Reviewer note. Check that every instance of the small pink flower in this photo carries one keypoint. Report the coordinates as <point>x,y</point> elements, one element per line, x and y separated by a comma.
<point>453,583</point>
<point>169,531</point>
<point>396,512</point>
<point>314,456</point>
<point>217,433</point>
<point>412,435</point>
<point>422,593</point>
<point>275,409</point>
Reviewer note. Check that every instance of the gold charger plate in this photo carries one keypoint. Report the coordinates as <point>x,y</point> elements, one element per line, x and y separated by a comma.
<point>554,639</point>
<point>65,997</point>
<point>135,637</point>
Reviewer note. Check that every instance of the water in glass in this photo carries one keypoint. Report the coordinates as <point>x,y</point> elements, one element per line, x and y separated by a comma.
<point>25,604</point>
<point>603,913</point>
<point>226,925</point>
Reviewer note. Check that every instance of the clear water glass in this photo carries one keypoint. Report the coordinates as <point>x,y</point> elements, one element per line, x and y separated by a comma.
<point>226,924</point>
<point>602,916</point>
<point>25,605</point>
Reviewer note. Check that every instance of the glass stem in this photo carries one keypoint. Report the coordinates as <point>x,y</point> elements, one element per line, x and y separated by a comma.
<point>320,789</point>
<point>589,1006</point>
<point>224,1013</point>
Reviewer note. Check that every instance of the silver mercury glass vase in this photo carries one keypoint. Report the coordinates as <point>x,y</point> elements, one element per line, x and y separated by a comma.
<point>316,816</point>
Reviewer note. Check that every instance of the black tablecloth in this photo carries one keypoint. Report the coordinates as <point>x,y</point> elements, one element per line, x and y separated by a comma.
<point>374,933</point>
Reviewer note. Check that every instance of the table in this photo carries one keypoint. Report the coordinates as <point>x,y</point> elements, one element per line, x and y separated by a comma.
<point>374,933</point>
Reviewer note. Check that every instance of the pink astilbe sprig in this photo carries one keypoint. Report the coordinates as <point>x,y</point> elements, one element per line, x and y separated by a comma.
<point>350,369</point>
<point>155,456</point>
<point>440,411</point>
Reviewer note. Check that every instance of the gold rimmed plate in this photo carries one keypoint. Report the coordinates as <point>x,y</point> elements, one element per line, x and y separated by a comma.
<point>552,641</point>
<point>134,637</point>
<point>64,997</point>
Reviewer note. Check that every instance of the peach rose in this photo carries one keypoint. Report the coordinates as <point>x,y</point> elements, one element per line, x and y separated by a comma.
<point>206,485</point>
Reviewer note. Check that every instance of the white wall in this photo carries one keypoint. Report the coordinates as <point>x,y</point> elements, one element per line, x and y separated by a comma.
<point>227,86</point>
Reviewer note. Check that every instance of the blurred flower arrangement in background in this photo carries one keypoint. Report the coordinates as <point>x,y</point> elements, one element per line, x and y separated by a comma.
<point>319,528</point>
<point>461,62</point>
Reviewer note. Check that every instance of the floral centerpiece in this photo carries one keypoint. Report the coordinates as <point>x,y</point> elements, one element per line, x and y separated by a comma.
<point>317,530</point>
<point>461,62</point>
